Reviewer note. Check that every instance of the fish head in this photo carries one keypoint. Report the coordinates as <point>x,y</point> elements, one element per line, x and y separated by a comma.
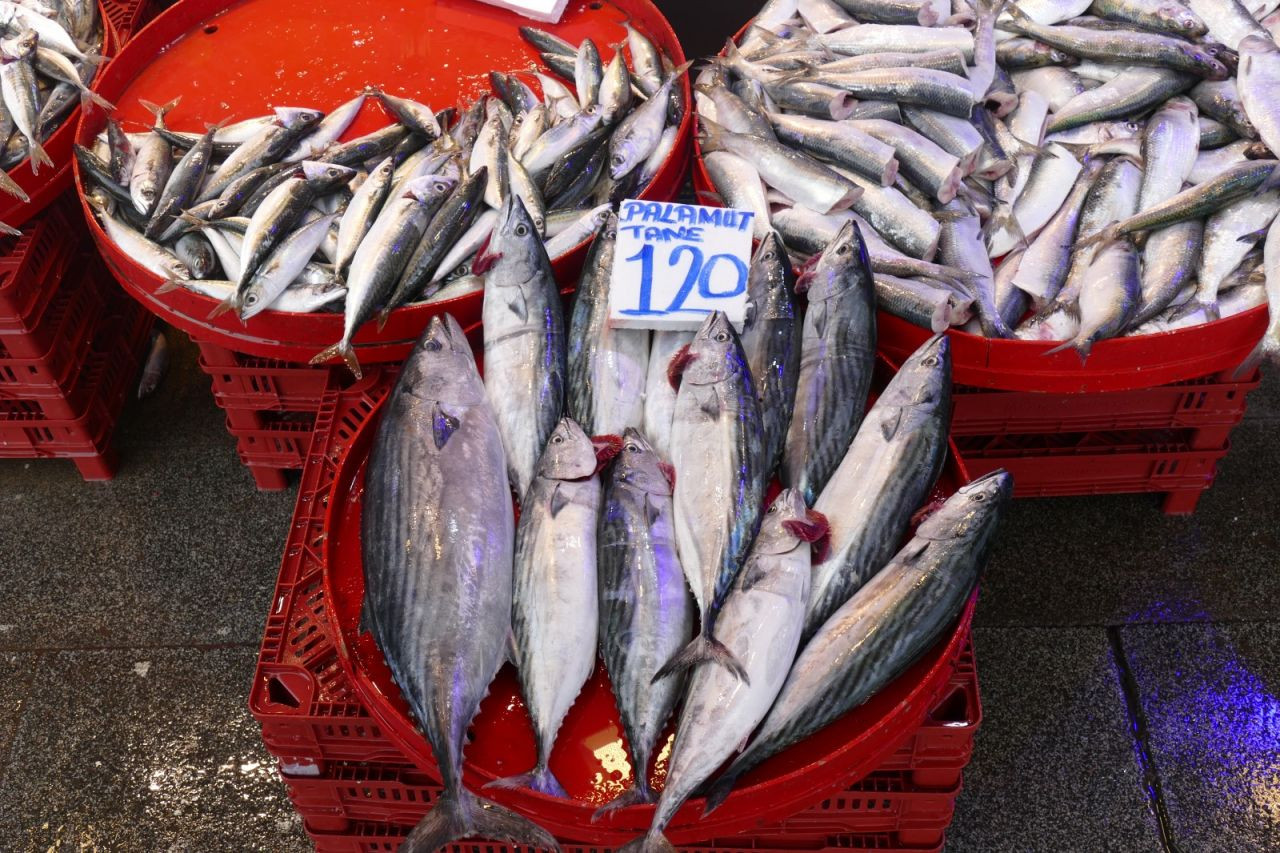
<point>253,302</point>
<point>571,454</point>
<point>427,188</point>
<point>1252,45</point>
<point>639,465</point>
<point>770,281</point>
<point>1179,19</point>
<point>197,254</point>
<point>297,118</point>
<point>715,355</point>
<point>442,366</point>
<point>383,171</point>
<point>1215,61</point>
<point>515,244</point>
<point>842,264</point>
<point>622,154</point>
<point>325,176</point>
<point>1183,107</point>
<point>20,46</point>
<point>970,514</point>
<point>177,270</point>
<point>789,522</point>
<point>924,380</point>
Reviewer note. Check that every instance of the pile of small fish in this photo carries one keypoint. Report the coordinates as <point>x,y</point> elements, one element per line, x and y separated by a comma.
<point>274,212</point>
<point>1115,158</point>
<point>49,54</point>
<point>803,608</point>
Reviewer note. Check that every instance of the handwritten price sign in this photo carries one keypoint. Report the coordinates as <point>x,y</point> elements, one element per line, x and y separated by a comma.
<point>676,263</point>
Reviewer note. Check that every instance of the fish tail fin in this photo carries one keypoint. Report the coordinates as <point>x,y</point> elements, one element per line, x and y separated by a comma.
<point>1100,238</point>
<point>173,284</point>
<point>10,186</point>
<point>9,230</point>
<point>1015,11</point>
<point>1081,345</point>
<point>652,842</point>
<point>231,303</point>
<point>1255,236</point>
<point>342,350</point>
<point>637,795</point>
<point>161,110</point>
<point>462,814</point>
<point>39,157</point>
<point>88,96</point>
<point>1003,219</point>
<point>703,649</point>
<point>719,791</point>
<point>539,779</point>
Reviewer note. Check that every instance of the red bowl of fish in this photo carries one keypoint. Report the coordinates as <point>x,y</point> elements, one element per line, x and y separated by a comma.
<point>233,60</point>
<point>590,758</point>
<point>43,187</point>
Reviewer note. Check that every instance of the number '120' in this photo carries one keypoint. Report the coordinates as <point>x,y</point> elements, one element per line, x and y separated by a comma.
<point>699,274</point>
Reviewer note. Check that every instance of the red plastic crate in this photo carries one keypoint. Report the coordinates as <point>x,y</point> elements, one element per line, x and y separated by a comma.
<point>1211,401</point>
<point>31,267</point>
<point>51,380</point>
<point>129,17</point>
<point>1163,461</point>
<point>381,838</point>
<point>27,433</point>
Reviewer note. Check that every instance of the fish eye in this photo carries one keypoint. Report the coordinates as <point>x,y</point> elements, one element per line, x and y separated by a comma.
<point>633,448</point>
<point>773,508</point>
<point>522,230</point>
<point>333,173</point>
<point>434,345</point>
<point>251,299</point>
<point>770,254</point>
<point>557,439</point>
<point>617,160</point>
<point>931,361</point>
<point>979,497</point>
<point>842,249</point>
<point>722,336</point>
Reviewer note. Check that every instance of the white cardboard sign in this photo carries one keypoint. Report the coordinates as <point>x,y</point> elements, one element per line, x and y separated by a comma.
<point>539,10</point>
<point>676,263</point>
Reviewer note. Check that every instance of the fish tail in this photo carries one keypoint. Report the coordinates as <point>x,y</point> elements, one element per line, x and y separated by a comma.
<point>539,779</point>
<point>1251,361</point>
<point>652,842</point>
<point>231,303</point>
<point>462,814</point>
<point>173,284</point>
<point>342,350</point>
<point>703,649</point>
<point>1100,238</point>
<point>637,795</point>
<point>10,186</point>
<point>159,111</point>
<point>1081,345</point>
<point>94,58</point>
<point>719,791</point>
<point>88,96</point>
<point>383,314</point>
<point>39,157</point>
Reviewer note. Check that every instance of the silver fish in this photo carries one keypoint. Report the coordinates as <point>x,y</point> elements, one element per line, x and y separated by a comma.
<point>438,537</point>
<point>646,612</point>
<point>717,448</point>
<point>524,340</point>
<point>760,626</point>
<point>885,626</point>
<point>555,604</point>
<point>771,337</point>
<point>659,391</point>
<point>837,358</point>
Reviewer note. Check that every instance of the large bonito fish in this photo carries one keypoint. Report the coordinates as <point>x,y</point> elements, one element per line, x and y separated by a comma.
<point>438,535</point>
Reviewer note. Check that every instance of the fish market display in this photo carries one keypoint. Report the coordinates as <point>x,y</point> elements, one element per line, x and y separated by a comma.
<point>705,603</point>
<point>49,56</point>
<point>285,202</point>
<point>1065,172</point>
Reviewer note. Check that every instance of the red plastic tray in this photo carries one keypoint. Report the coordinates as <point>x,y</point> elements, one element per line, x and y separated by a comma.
<point>1163,461</point>
<point>230,60</point>
<point>31,269</point>
<point>1119,364</point>
<point>44,188</point>
<point>504,744</point>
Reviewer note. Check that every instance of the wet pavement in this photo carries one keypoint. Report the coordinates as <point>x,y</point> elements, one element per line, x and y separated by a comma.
<point>1129,662</point>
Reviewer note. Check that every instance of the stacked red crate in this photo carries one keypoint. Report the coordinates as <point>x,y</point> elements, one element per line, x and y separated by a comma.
<point>70,345</point>
<point>355,789</point>
<point>1167,439</point>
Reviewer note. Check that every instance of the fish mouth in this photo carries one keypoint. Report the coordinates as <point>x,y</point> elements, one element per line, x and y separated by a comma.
<point>607,447</point>
<point>806,274</point>
<point>814,529</point>
<point>484,259</point>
